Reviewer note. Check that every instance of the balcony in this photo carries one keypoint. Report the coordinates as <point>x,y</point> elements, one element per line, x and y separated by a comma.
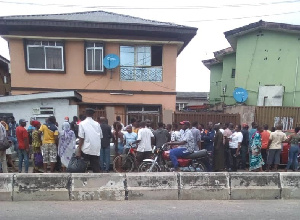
<point>145,74</point>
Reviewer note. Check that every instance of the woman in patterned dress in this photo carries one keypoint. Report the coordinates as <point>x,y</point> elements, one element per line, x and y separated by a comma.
<point>66,145</point>
<point>36,143</point>
<point>256,161</point>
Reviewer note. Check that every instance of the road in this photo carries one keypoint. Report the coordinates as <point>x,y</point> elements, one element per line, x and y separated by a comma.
<point>245,209</point>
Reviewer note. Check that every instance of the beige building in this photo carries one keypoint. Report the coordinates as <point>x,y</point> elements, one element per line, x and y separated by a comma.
<point>63,52</point>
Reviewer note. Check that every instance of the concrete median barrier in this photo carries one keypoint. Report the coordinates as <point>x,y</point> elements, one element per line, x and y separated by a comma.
<point>255,186</point>
<point>290,184</point>
<point>204,186</point>
<point>6,183</point>
<point>148,186</point>
<point>41,187</point>
<point>94,186</point>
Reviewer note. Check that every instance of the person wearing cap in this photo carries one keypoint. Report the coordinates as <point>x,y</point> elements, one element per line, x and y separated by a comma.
<point>23,142</point>
<point>49,143</point>
<point>186,145</point>
<point>90,135</point>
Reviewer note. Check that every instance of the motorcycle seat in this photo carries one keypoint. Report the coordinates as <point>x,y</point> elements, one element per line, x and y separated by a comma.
<point>196,154</point>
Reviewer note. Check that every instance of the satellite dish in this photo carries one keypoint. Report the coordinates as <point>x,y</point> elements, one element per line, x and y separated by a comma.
<point>111,61</point>
<point>240,95</point>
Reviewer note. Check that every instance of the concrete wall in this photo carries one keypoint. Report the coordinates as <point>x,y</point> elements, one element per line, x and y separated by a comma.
<point>268,58</point>
<point>24,109</point>
<point>247,113</point>
<point>149,186</point>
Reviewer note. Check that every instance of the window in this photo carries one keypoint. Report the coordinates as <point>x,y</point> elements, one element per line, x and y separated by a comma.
<point>45,55</point>
<point>5,80</point>
<point>233,73</point>
<point>141,63</point>
<point>93,57</point>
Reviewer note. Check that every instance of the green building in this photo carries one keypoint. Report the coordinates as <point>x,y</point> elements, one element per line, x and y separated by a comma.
<point>264,60</point>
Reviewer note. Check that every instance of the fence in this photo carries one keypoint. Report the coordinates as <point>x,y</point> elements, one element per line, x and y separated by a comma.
<point>289,117</point>
<point>204,118</point>
<point>153,117</point>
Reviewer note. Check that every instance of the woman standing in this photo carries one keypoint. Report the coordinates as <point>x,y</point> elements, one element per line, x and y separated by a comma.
<point>66,145</point>
<point>118,138</point>
<point>256,161</point>
<point>36,145</point>
<point>294,150</point>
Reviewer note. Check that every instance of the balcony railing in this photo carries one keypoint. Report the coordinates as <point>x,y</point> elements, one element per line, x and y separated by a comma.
<point>150,74</point>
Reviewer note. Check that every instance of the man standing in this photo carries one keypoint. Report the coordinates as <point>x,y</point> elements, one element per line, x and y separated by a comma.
<point>186,145</point>
<point>245,145</point>
<point>197,136</point>
<point>161,135</point>
<point>3,152</point>
<point>144,138</point>
<point>23,142</point>
<point>90,135</point>
<point>128,138</point>
<point>74,125</point>
<point>105,144</point>
<point>265,136</point>
<point>208,137</point>
<point>274,146</point>
<point>12,132</point>
<point>226,134</point>
<point>50,143</point>
<point>235,141</point>
<point>218,160</point>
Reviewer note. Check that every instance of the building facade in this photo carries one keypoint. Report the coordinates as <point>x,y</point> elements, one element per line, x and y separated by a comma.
<point>264,60</point>
<point>4,76</point>
<point>62,52</point>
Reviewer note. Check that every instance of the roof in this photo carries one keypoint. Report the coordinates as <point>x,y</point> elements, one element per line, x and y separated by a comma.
<point>221,53</point>
<point>210,62</point>
<point>192,95</point>
<point>98,22</point>
<point>232,35</point>
<point>92,16</point>
<point>46,95</point>
<point>4,60</point>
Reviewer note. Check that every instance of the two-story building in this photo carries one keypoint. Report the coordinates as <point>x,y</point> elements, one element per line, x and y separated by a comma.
<point>63,52</point>
<point>264,60</point>
<point>4,76</point>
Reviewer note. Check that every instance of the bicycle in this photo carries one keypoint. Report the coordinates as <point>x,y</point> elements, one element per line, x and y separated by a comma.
<point>126,162</point>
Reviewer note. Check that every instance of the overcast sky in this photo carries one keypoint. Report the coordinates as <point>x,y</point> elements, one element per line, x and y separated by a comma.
<point>211,17</point>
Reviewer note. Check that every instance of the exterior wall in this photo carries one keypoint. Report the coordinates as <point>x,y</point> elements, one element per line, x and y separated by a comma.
<point>75,79</point>
<point>215,83</point>
<point>247,113</point>
<point>227,81</point>
<point>23,110</point>
<point>4,87</point>
<point>269,58</point>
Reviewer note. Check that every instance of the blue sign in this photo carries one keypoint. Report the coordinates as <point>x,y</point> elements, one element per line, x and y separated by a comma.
<point>240,95</point>
<point>111,61</point>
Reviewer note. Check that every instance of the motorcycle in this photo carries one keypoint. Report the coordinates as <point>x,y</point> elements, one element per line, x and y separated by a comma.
<point>194,162</point>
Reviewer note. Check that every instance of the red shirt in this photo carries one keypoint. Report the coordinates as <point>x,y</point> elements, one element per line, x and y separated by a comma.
<point>265,135</point>
<point>21,134</point>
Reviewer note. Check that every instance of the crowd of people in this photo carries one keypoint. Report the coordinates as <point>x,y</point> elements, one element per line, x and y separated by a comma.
<point>257,148</point>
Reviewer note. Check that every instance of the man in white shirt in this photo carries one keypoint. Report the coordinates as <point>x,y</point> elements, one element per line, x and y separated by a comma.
<point>235,141</point>
<point>90,135</point>
<point>144,149</point>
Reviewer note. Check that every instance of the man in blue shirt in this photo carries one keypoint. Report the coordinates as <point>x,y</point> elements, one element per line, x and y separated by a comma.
<point>129,138</point>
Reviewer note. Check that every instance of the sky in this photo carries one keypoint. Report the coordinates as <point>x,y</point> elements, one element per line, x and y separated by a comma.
<point>211,17</point>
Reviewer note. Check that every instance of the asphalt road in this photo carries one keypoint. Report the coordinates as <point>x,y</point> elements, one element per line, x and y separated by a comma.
<point>245,209</point>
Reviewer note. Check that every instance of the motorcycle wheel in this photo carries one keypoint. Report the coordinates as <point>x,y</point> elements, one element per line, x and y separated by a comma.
<point>123,164</point>
<point>201,168</point>
<point>145,166</point>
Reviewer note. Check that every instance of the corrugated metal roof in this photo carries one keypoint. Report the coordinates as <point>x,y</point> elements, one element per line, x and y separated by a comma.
<point>191,94</point>
<point>92,16</point>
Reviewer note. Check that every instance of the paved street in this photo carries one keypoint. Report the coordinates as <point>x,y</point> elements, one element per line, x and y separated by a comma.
<point>271,209</point>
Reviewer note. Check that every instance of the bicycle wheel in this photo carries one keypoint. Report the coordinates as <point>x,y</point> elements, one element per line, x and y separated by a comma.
<point>123,164</point>
<point>145,166</point>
